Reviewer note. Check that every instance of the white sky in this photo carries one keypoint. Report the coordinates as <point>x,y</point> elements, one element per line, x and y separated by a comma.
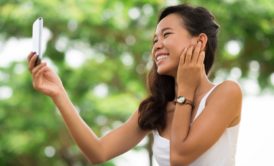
<point>255,144</point>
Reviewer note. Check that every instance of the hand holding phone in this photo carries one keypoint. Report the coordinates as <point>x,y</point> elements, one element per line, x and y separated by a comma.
<point>37,29</point>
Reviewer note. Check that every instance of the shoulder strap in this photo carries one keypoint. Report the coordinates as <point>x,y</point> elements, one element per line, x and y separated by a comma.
<point>202,102</point>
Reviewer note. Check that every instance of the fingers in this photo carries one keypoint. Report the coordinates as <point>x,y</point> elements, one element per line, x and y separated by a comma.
<point>196,53</point>
<point>31,60</point>
<point>192,53</point>
<point>201,58</point>
<point>189,54</point>
<point>183,56</point>
<point>38,75</point>
<point>30,55</point>
<point>37,68</point>
<point>42,69</point>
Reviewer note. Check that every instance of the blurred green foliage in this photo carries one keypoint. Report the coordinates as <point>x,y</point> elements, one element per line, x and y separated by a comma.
<point>115,37</point>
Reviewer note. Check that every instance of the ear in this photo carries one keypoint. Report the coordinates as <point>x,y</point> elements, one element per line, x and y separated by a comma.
<point>202,38</point>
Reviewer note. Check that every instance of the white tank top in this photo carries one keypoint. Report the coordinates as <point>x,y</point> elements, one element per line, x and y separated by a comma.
<point>222,153</point>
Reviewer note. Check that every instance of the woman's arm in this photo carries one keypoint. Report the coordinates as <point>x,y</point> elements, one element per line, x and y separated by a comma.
<point>99,150</point>
<point>222,108</point>
<point>96,149</point>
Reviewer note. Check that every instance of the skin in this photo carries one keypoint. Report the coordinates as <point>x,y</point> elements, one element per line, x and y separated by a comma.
<point>187,143</point>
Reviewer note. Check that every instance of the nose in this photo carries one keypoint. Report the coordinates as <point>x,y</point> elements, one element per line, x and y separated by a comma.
<point>158,44</point>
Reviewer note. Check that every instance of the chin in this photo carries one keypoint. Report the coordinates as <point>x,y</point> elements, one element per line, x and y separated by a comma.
<point>162,71</point>
<point>169,69</point>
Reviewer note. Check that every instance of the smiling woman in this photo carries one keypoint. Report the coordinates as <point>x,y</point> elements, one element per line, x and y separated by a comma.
<point>187,35</point>
<point>191,120</point>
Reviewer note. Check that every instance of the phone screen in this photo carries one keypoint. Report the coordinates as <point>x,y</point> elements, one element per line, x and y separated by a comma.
<point>37,29</point>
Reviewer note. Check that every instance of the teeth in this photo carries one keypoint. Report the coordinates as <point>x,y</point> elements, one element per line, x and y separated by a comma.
<point>161,57</point>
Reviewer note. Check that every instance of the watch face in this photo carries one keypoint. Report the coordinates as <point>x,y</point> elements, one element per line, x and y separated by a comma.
<point>181,99</point>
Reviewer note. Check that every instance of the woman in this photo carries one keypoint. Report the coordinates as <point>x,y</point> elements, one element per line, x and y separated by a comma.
<point>199,129</point>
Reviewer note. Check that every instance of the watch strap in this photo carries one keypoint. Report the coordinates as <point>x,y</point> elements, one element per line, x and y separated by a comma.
<point>186,101</point>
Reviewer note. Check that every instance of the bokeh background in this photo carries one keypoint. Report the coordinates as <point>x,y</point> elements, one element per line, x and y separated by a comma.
<point>101,49</point>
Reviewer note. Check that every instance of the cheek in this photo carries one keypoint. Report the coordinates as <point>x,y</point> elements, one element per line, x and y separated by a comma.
<point>172,46</point>
<point>176,45</point>
<point>174,49</point>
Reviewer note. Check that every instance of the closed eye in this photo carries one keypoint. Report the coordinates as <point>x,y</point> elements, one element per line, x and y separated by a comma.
<point>166,34</point>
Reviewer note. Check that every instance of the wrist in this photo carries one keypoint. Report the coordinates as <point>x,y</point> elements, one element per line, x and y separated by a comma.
<point>61,94</point>
<point>187,93</point>
<point>182,100</point>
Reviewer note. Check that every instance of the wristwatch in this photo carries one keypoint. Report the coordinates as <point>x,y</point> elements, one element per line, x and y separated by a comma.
<point>182,100</point>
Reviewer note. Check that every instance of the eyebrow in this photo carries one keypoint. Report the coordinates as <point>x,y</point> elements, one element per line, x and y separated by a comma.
<point>166,28</point>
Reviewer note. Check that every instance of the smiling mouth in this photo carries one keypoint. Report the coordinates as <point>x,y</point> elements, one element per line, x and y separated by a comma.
<point>161,58</point>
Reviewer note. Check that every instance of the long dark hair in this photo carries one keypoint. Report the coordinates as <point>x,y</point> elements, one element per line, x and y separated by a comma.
<point>197,20</point>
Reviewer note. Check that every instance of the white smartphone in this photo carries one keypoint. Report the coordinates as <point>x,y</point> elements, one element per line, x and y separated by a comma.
<point>37,34</point>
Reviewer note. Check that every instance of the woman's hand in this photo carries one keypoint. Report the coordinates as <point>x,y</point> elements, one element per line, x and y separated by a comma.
<point>43,78</point>
<point>190,69</point>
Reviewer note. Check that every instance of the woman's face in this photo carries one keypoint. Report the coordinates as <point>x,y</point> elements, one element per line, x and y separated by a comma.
<point>170,38</point>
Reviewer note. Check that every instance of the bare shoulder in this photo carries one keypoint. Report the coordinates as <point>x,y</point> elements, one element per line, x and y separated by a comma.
<point>227,94</point>
<point>230,88</point>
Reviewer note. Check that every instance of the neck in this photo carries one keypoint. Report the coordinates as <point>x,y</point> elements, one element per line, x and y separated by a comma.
<point>203,87</point>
